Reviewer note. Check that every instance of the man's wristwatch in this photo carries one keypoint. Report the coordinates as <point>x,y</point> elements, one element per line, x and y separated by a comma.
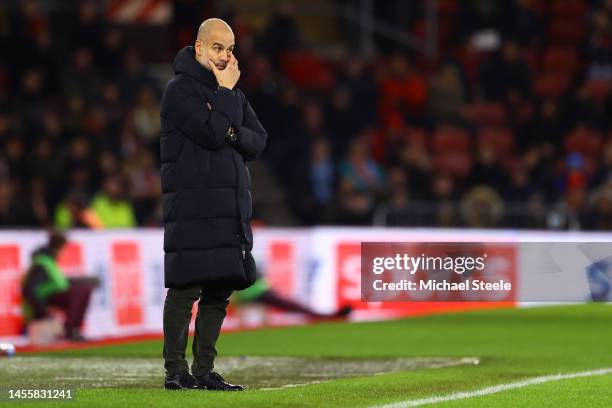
<point>232,136</point>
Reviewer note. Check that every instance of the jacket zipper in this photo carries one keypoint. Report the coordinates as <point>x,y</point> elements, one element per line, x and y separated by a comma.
<point>242,245</point>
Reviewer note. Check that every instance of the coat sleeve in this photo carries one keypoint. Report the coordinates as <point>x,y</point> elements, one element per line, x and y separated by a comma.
<point>252,136</point>
<point>190,114</point>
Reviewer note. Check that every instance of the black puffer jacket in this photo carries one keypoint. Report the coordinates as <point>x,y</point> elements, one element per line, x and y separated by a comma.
<point>205,181</point>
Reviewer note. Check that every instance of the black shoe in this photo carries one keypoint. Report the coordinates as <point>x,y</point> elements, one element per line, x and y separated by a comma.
<point>214,381</point>
<point>180,381</point>
<point>344,312</point>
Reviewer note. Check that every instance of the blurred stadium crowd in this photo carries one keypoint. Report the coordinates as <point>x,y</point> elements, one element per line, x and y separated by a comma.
<point>508,126</point>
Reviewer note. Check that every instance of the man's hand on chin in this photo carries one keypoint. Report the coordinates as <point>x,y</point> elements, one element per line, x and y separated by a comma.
<point>228,77</point>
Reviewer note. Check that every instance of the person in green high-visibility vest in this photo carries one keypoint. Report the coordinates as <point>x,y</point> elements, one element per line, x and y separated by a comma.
<point>45,285</point>
<point>261,293</point>
<point>110,207</point>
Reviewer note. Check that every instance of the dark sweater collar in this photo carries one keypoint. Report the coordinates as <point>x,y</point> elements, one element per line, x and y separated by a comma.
<point>186,63</point>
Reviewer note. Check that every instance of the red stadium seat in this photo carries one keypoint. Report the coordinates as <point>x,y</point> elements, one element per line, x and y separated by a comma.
<point>567,31</point>
<point>447,138</point>
<point>583,140</point>
<point>551,85</point>
<point>500,139</point>
<point>458,164</point>
<point>448,7</point>
<point>307,70</point>
<point>599,89</point>
<point>569,8</point>
<point>416,136</point>
<point>485,113</point>
<point>560,59</point>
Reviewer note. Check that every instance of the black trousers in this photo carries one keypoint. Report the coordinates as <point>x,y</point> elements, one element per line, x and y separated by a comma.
<point>212,309</point>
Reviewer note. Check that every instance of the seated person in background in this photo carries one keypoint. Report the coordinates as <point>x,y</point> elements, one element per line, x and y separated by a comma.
<point>45,285</point>
<point>261,293</point>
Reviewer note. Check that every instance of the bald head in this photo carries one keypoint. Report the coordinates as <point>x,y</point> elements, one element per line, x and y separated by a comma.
<point>213,25</point>
<point>215,43</point>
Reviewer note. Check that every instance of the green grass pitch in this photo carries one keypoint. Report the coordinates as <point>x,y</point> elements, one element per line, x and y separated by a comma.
<point>356,365</point>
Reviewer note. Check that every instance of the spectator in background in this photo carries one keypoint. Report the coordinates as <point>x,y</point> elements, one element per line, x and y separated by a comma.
<point>479,15</point>
<point>505,75</point>
<point>281,33</point>
<point>443,194</point>
<point>145,187</point>
<point>362,180</point>
<point>519,187</point>
<point>599,45</point>
<point>88,29</point>
<point>36,202</point>
<point>135,75</point>
<point>77,168</point>
<point>74,212</point>
<point>23,204</point>
<point>323,180</point>
<point>399,210</point>
<point>356,77</point>
<point>354,207</point>
<point>352,106</point>
<point>360,171</point>
<point>548,126</point>
<point>342,120</point>
<point>569,212</point>
<point>8,212</point>
<point>417,162</point>
<point>447,93</point>
<point>44,162</point>
<point>536,211</point>
<point>14,152</point>
<point>403,92</point>
<point>285,123</point>
<point>146,116</point>
<point>599,213</point>
<point>487,169</point>
<point>528,25</point>
<point>111,51</point>
<point>482,207</point>
<point>110,205</point>
<point>395,212</point>
<point>296,158</point>
<point>110,102</point>
<point>108,164</point>
<point>604,173</point>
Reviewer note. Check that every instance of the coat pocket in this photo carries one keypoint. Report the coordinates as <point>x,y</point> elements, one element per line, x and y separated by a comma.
<point>249,268</point>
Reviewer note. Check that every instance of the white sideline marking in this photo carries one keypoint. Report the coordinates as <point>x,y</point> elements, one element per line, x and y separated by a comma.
<point>494,389</point>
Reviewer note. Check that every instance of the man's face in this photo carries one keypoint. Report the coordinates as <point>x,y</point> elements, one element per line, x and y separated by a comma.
<point>112,187</point>
<point>217,48</point>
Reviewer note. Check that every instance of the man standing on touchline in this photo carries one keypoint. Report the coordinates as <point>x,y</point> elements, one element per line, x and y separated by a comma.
<point>208,133</point>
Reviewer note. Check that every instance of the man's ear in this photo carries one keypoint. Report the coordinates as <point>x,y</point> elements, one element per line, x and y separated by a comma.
<point>198,47</point>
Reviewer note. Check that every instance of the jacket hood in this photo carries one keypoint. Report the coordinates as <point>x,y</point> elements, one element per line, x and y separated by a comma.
<point>185,63</point>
